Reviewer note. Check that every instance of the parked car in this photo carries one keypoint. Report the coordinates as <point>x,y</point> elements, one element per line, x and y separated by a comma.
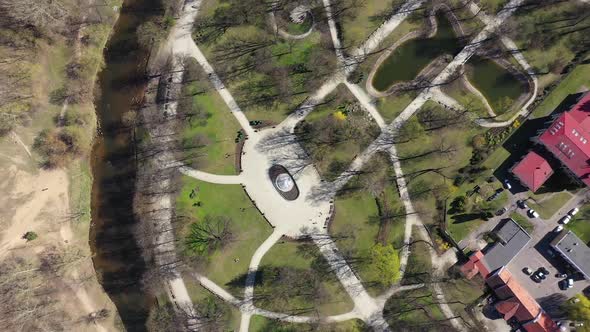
<point>561,275</point>
<point>544,270</point>
<point>558,229</point>
<point>573,211</point>
<point>527,271</point>
<point>551,254</point>
<point>507,184</point>
<point>501,211</point>
<point>536,278</point>
<point>522,204</point>
<point>532,213</point>
<point>570,283</point>
<point>565,219</point>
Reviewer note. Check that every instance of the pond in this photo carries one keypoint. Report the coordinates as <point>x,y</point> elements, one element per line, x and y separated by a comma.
<point>499,86</point>
<point>410,58</point>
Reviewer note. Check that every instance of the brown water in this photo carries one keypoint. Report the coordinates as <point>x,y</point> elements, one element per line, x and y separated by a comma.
<point>116,255</point>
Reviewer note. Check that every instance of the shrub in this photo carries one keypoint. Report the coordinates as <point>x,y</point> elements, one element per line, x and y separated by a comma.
<point>30,236</point>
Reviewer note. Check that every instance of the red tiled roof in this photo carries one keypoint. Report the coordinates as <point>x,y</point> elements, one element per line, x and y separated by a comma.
<point>568,138</point>
<point>475,265</point>
<point>532,171</point>
<point>508,307</point>
<point>528,312</point>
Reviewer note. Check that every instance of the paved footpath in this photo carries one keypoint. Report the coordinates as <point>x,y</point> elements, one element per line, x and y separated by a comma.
<point>367,308</point>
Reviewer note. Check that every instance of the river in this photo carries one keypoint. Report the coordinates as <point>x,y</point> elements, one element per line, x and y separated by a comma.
<point>117,258</point>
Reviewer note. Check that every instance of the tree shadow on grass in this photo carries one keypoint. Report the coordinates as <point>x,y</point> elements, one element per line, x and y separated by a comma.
<point>465,217</point>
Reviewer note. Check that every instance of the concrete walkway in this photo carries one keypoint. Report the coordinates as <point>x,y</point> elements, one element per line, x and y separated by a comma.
<point>306,216</point>
<point>208,177</point>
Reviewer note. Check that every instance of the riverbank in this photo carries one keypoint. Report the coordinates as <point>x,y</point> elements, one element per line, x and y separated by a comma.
<point>55,269</point>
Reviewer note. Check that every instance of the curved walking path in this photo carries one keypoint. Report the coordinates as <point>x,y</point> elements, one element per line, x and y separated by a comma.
<point>287,35</point>
<point>517,54</point>
<point>300,217</point>
<point>208,177</point>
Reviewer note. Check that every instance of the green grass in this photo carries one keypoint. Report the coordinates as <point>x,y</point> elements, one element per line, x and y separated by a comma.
<point>580,224</point>
<point>547,204</point>
<point>458,91</point>
<point>356,219</point>
<point>461,292</point>
<point>219,129</point>
<point>414,310</point>
<point>419,266</point>
<point>263,324</point>
<point>365,19</point>
<point>287,254</point>
<point>248,227</point>
<point>523,222</point>
<point>80,190</point>
<point>391,106</point>
<point>334,141</point>
<point>421,159</point>
<point>574,82</point>
<point>198,293</point>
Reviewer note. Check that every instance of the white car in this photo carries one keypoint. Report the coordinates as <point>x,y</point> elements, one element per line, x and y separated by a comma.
<point>573,211</point>
<point>507,185</point>
<point>566,219</point>
<point>558,229</point>
<point>532,213</point>
<point>570,283</point>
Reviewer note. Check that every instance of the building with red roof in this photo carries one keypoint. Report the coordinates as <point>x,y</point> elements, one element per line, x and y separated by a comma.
<point>532,171</point>
<point>515,304</point>
<point>568,139</point>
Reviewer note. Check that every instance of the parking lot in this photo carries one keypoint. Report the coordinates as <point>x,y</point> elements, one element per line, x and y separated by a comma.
<point>538,254</point>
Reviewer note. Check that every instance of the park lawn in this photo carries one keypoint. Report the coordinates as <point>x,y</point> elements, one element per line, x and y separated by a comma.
<point>219,128</point>
<point>523,221</point>
<point>548,204</point>
<point>419,267</point>
<point>460,225</point>
<point>198,294</point>
<point>580,223</point>
<point>391,106</point>
<point>354,221</point>
<point>414,310</point>
<point>421,172</point>
<point>461,292</point>
<point>263,324</point>
<point>458,91</point>
<point>287,253</point>
<point>357,27</point>
<point>348,136</point>
<point>248,227</point>
<point>577,80</point>
<point>539,33</point>
<point>291,54</point>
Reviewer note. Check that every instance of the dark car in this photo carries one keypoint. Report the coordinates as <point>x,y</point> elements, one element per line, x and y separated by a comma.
<point>501,211</point>
<point>536,278</point>
<point>544,270</point>
<point>521,204</point>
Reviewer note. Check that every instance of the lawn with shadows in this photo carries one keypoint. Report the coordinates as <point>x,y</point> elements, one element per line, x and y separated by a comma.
<point>198,199</point>
<point>368,211</point>
<point>263,324</point>
<point>548,204</point>
<point>335,132</point>
<point>433,147</point>
<point>267,75</point>
<point>209,133</point>
<point>580,223</point>
<point>294,278</point>
<point>415,310</point>
<point>523,221</point>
